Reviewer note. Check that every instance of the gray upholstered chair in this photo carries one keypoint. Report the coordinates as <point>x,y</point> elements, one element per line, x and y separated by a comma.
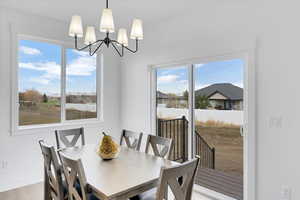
<point>132,140</point>
<point>62,136</point>
<point>161,147</point>
<point>180,179</point>
<point>76,179</point>
<point>53,180</point>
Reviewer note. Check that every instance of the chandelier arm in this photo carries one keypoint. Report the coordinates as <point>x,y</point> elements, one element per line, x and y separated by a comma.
<point>76,45</point>
<point>136,47</point>
<point>120,53</point>
<point>133,51</point>
<point>97,42</point>
<point>83,48</point>
<point>92,53</point>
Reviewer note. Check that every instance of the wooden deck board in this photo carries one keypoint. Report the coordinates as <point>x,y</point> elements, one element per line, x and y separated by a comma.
<point>221,182</point>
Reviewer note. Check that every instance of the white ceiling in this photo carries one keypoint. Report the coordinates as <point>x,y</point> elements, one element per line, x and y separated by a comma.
<point>124,10</point>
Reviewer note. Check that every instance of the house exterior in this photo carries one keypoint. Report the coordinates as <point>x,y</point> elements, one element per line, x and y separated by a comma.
<point>170,101</point>
<point>223,96</point>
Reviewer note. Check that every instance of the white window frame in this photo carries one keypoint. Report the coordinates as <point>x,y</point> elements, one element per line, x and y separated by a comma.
<point>15,128</point>
<point>249,129</point>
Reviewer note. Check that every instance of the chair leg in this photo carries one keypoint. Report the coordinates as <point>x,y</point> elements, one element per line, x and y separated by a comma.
<point>46,188</point>
<point>167,193</point>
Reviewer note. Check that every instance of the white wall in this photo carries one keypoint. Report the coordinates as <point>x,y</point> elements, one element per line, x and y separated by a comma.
<point>227,116</point>
<point>216,28</point>
<point>20,156</point>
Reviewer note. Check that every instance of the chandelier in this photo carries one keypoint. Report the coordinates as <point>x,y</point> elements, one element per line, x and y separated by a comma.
<point>106,26</point>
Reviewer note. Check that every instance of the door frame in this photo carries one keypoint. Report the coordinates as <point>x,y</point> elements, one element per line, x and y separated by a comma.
<point>249,108</point>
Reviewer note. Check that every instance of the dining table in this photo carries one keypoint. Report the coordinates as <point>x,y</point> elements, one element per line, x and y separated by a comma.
<point>128,175</point>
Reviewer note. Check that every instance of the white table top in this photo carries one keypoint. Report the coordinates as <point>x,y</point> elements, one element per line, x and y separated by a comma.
<point>130,171</point>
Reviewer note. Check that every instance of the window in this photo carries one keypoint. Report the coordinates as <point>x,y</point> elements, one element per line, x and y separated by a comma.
<point>55,84</point>
<point>81,98</point>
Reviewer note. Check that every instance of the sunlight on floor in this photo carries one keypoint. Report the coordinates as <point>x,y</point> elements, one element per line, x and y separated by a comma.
<point>198,196</point>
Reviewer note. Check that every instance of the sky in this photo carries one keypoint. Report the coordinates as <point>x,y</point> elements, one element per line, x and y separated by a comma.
<point>40,69</point>
<point>175,80</point>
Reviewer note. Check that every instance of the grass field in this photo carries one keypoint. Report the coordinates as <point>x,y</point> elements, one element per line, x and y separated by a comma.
<point>228,144</point>
<point>49,113</point>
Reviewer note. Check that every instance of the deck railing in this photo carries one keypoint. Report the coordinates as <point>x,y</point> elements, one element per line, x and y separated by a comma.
<point>177,130</point>
<point>206,153</point>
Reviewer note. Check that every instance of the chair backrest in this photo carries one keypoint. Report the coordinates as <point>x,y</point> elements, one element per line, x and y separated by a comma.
<point>75,178</point>
<point>133,140</point>
<point>161,147</point>
<point>74,134</point>
<point>53,185</point>
<point>180,179</point>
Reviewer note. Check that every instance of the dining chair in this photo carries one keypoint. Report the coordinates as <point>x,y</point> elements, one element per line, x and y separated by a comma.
<point>76,179</point>
<point>53,180</point>
<point>161,147</point>
<point>133,140</point>
<point>69,137</point>
<point>180,179</point>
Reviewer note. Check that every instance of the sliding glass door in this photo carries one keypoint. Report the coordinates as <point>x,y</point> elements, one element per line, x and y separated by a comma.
<point>218,121</point>
<point>200,106</point>
<point>172,108</point>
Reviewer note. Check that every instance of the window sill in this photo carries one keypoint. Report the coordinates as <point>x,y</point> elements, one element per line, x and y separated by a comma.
<point>46,128</point>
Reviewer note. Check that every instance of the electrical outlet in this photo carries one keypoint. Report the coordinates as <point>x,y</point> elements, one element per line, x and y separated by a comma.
<point>285,193</point>
<point>275,122</point>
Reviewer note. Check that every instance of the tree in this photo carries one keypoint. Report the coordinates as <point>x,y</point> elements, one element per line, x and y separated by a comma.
<point>186,94</point>
<point>45,98</point>
<point>32,95</point>
<point>202,102</point>
<point>21,96</point>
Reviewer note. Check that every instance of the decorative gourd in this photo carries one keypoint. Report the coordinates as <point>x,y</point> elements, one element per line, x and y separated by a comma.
<point>108,148</point>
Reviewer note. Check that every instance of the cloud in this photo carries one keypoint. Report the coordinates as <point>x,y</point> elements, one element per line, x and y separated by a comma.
<point>167,79</point>
<point>51,71</point>
<point>30,51</point>
<point>39,80</point>
<point>199,65</point>
<point>83,65</point>
<point>183,81</point>
<point>80,53</point>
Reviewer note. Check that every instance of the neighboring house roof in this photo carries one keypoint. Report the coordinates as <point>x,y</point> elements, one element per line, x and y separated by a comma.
<point>161,95</point>
<point>226,89</point>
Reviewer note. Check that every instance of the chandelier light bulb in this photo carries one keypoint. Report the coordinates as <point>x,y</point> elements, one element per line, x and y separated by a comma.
<point>90,35</point>
<point>107,21</point>
<point>76,27</point>
<point>137,30</point>
<point>122,37</point>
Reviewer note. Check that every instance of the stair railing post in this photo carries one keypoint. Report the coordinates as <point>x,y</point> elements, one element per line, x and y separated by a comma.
<point>158,126</point>
<point>185,136</point>
<point>213,158</point>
